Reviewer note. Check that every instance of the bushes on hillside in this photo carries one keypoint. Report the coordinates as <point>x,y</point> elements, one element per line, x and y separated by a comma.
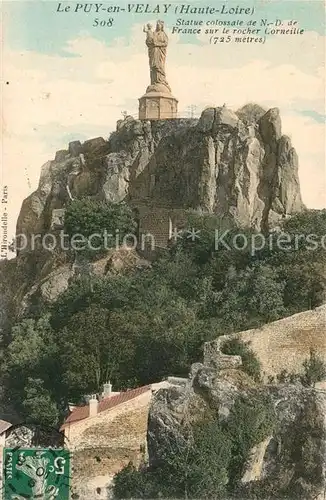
<point>102,224</point>
<point>145,324</point>
<point>250,362</point>
<point>251,420</point>
<point>207,462</point>
<point>314,370</point>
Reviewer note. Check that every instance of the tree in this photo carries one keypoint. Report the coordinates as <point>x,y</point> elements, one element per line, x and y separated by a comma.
<point>32,341</point>
<point>133,483</point>
<point>249,298</point>
<point>301,267</point>
<point>90,217</point>
<point>314,370</point>
<point>265,294</point>
<point>91,351</point>
<point>32,354</point>
<point>38,404</point>
<point>207,472</point>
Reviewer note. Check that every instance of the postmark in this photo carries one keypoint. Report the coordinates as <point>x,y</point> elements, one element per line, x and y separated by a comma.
<point>36,472</point>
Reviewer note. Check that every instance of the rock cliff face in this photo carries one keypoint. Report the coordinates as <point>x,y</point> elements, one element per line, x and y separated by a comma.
<point>289,463</point>
<point>235,165</point>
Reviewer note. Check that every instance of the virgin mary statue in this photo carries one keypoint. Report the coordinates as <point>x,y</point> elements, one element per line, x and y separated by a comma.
<point>157,42</point>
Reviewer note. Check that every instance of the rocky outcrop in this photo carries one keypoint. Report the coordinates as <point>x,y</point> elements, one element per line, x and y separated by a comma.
<point>289,463</point>
<point>48,289</point>
<point>235,165</point>
<point>55,276</point>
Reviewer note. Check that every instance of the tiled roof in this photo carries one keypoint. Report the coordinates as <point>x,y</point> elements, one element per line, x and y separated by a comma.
<point>82,412</point>
<point>4,425</point>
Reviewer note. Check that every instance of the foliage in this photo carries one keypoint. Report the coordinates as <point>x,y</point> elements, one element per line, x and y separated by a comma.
<point>38,405</point>
<point>206,461</point>
<point>32,354</point>
<point>314,370</point>
<point>129,346</point>
<point>250,362</point>
<point>133,483</point>
<point>288,378</point>
<point>202,249</point>
<point>249,297</point>
<point>88,216</point>
<point>301,267</point>
<point>195,467</point>
<point>93,218</point>
<point>306,222</point>
<point>207,476</point>
<point>144,324</point>
<point>251,420</point>
<point>88,360</point>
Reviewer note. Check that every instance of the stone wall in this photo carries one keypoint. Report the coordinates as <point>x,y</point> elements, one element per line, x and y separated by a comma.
<point>159,222</point>
<point>281,345</point>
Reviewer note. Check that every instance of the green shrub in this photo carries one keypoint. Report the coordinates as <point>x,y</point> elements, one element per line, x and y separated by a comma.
<point>133,483</point>
<point>288,378</point>
<point>207,460</point>
<point>314,370</point>
<point>91,217</point>
<point>250,363</point>
<point>251,420</point>
<point>195,467</point>
<point>38,404</point>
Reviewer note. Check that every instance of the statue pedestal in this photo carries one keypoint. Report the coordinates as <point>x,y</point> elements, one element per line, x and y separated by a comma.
<point>157,106</point>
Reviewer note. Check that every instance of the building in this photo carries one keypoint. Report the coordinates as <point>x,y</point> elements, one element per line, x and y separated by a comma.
<point>105,435</point>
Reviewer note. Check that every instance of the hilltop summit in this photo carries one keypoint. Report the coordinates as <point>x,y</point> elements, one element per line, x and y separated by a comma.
<point>234,165</point>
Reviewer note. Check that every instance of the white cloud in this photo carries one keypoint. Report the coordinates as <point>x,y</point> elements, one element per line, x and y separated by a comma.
<point>50,97</point>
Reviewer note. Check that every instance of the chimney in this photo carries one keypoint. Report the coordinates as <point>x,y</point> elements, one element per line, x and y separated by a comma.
<point>107,389</point>
<point>93,406</point>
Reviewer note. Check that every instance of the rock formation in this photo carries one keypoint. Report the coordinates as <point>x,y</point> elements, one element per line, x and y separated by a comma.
<point>289,463</point>
<point>235,165</point>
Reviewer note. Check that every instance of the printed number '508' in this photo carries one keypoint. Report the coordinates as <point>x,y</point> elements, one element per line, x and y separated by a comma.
<point>108,23</point>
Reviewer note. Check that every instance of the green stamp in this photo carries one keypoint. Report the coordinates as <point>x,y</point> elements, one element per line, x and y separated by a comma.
<point>32,473</point>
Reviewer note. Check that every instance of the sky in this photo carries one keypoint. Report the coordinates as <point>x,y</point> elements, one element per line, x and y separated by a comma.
<point>65,79</point>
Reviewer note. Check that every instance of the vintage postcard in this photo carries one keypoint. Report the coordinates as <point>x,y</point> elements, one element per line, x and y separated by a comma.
<point>162,250</point>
